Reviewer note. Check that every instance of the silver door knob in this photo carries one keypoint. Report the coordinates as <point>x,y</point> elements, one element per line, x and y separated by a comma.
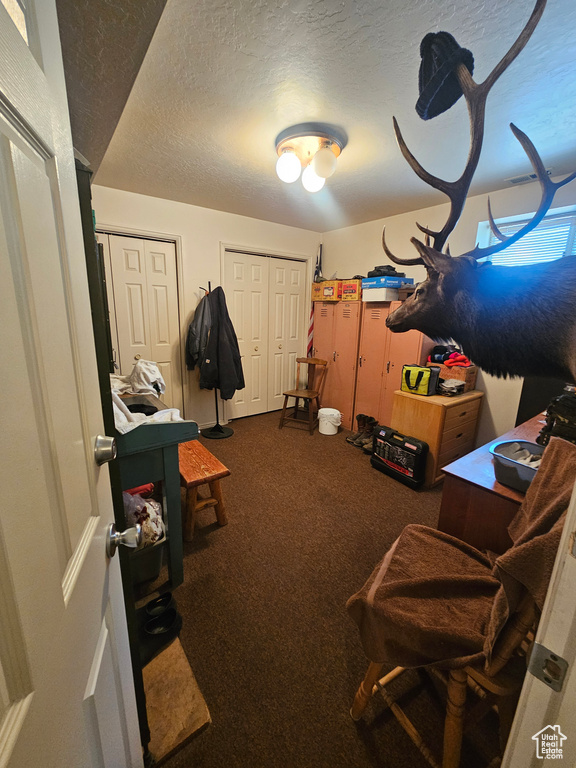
<point>131,537</point>
<point>105,449</point>
<point>137,357</point>
<point>255,349</point>
<point>279,346</point>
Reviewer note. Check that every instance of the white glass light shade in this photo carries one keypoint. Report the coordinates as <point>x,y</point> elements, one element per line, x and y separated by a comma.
<point>324,162</point>
<point>311,181</point>
<point>288,167</point>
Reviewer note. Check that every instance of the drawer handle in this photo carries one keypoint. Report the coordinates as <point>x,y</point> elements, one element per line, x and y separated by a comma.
<point>459,435</point>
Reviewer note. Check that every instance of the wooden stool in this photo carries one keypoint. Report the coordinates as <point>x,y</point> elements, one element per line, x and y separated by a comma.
<point>199,467</point>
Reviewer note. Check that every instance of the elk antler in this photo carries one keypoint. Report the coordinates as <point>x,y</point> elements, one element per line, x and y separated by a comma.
<point>396,259</point>
<point>405,262</point>
<point>548,191</point>
<point>475,95</point>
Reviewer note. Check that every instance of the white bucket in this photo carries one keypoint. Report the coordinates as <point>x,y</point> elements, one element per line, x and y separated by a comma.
<point>329,419</point>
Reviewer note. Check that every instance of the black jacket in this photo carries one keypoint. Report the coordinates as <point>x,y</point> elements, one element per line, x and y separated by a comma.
<point>198,332</point>
<point>219,361</point>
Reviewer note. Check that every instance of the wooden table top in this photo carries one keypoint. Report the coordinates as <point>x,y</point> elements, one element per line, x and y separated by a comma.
<point>478,467</point>
<point>443,400</point>
<point>198,465</point>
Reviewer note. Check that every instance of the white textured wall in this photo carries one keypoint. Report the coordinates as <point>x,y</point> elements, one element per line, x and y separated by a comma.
<point>357,249</point>
<point>202,231</point>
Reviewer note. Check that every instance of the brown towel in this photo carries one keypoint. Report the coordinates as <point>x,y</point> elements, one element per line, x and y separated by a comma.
<point>535,530</point>
<point>428,601</point>
<point>435,600</point>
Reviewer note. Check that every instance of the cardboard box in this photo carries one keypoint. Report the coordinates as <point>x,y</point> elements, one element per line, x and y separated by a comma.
<point>380,294</point>
<point>467,375</point>
<point>405,292</point>
<point>386,282</point>
<point>351,290</point>
<point>329,290</point>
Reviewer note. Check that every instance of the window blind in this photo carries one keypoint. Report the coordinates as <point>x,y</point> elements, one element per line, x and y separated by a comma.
<point>552,239</point>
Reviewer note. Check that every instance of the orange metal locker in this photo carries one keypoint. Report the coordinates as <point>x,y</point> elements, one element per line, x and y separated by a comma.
<point>323,342</point>
<point>381,357</point>
<point>374,338</point>
<point>403,349</point>
<point>364,358</point>
<point>341,379</point>
<point>336,330</point>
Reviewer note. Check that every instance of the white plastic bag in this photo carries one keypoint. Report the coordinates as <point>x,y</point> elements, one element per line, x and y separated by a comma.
<point>148,514</point>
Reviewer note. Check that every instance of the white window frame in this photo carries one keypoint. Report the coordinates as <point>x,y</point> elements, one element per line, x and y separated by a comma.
<point>485,236</point>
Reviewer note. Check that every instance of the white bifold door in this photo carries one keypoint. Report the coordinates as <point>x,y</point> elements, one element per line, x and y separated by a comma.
<point>143,301</point>
<point>267,301</point>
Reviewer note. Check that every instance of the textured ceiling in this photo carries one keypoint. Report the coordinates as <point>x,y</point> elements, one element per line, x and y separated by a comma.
<point>103,45</point>
<point>222,78</point>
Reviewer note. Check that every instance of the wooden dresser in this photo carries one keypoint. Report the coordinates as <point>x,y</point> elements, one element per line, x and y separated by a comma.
<point>447,424</point>
<point>475,506</point>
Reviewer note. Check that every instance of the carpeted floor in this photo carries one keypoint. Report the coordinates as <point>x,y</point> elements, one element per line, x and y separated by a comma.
<point>265,627</point>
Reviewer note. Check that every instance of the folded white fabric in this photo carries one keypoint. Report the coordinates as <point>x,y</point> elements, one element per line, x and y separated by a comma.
<point>168,414</point>
<point>119,383</point>
<point>145,379</point>
<point>125,420</point>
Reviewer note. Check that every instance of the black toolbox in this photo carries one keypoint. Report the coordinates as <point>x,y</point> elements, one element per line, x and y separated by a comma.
<point>400,456</point>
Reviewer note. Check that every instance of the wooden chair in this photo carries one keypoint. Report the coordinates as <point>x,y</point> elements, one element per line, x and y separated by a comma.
<point>199,467</point>
<point>495,684</point>
<point>310,395</point>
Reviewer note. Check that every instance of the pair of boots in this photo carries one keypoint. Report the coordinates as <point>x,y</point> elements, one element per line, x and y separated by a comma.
<point>160,624</point>
<point>363,437</point>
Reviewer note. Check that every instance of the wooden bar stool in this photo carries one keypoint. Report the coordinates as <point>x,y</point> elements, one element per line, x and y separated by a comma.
<point>199,467</point>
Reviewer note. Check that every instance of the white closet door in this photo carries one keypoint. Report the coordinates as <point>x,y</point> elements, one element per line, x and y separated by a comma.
<point>246,289</point>
<point>146,306</point>
<point>130,300</point>
<point>160,258</point>
<point>287,290</point>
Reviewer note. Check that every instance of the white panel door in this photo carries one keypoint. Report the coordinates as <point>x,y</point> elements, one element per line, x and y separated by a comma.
<point>287,289</point>
<point>64,659</point>
<point>164,324</point>
<point>128,262</point>
<point>145,292</point>
<point>246,288</point>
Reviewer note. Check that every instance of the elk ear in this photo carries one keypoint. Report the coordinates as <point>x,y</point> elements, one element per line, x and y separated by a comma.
<point>434,261</point>
<point>471,260</point>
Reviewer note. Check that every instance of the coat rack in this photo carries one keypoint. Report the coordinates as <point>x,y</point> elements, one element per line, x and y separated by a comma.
<point>217,432</point>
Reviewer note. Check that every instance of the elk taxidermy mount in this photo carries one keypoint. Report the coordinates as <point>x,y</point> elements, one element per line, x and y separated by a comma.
<point>511,321</point>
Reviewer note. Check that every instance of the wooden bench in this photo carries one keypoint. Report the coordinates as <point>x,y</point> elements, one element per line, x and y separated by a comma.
<point>199,467</point>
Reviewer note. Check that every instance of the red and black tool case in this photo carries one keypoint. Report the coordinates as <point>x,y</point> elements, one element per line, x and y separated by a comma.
<point>400,456</point>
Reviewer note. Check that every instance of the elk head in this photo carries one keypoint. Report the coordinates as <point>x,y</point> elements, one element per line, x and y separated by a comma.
<point>450,285</point>
<point>421,310</point>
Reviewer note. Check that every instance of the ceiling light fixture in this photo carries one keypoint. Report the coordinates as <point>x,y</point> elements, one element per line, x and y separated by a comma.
<point>311,149</point>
